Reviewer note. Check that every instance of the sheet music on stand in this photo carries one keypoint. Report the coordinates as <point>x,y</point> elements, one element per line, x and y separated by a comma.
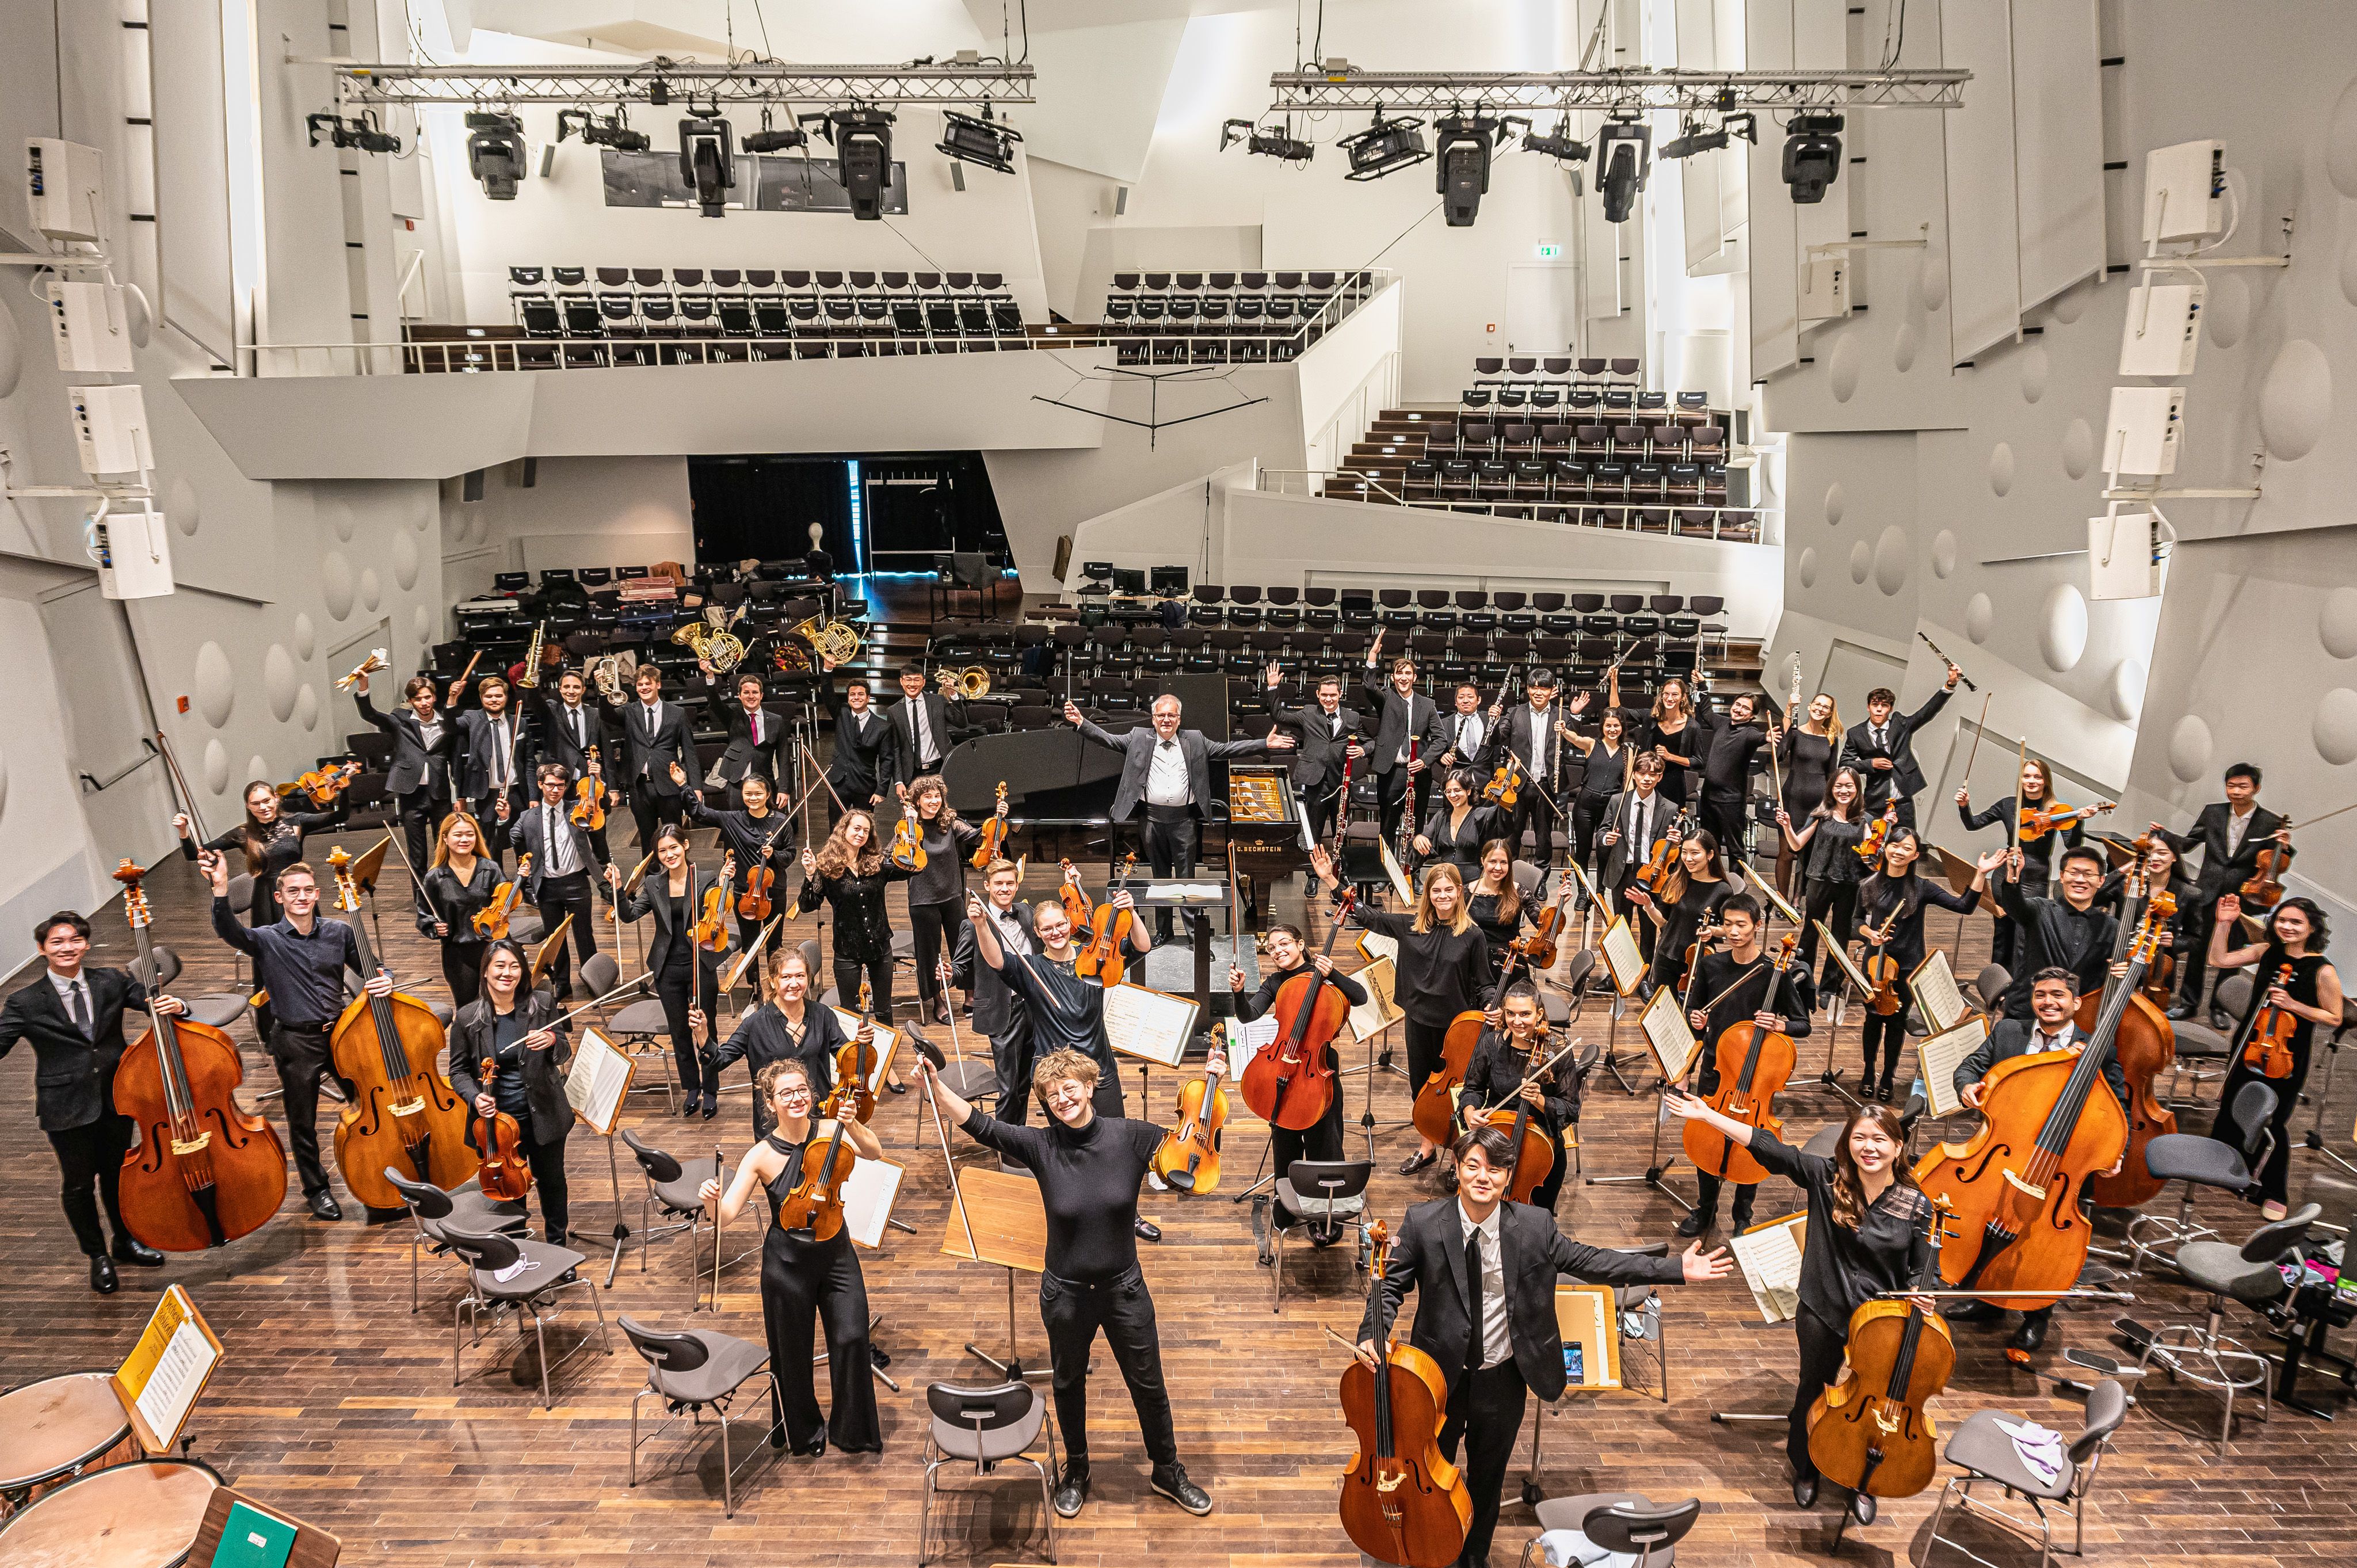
<point>1840,959</point>
<point>887,1045</point>
<point>597,1081</point>
<point>867,1195</point>
<point>1667,1032</point>
<point>1400,884</point>
<point>1621,959</point>
<point>1940,1055</point>
<point>1936,992</point>
<point>1153,1026</point>
<point>158,1382</point>
<point>1380,1010</point>
<point>1767,889</point>
<point>1374,945</point>
<point>1770,1255</point>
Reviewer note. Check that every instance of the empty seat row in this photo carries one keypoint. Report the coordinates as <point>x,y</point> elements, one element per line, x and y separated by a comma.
<point>1317,283</point>
<point>1632,441</point>
<point>723,279</point>
<point>1557,367</point>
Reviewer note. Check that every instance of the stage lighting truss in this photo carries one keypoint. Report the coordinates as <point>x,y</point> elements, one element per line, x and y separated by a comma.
<point>978,140</point>
<point>361,132</point>
<point>1694,136</point>
<point>1385,147</point>
<point>658,81</point>
<point>1344,86</point>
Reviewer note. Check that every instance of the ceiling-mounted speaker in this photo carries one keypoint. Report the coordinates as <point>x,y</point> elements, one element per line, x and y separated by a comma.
<point>470,488</point>
<point>531,472</point>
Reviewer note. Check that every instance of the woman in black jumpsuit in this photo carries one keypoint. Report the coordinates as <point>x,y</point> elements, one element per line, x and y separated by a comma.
<point>1890,908</point>
<point>937,893</point>
<point>805,1280</point>
<point>2296,938</point>
<point>751,835</point>
<point>458,884</point>
<point>1287,959</point>
<point>1494,1080</point>
<point>788,1025</point>
<point>685,976</point>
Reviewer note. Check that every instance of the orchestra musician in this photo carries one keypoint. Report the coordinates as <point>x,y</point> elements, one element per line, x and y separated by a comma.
<point>2067,932</point>
<point>1689,900</point>
<point>1535,733</point>
<point>863,743</point>
<point>423,743</point>
<point>1674,732</point>
<point>1495,901</point>
<point>1726,770</point>
<point>1484,1270</point>
<point>520,1032</point>
<point>1090,1164</point>
<point>1826,850</point>
<point>804,1281</point>
<point>1460,737</point>
<point>750,834</point>
<point>937,892</point>
<point>572,727</point>
<point>1635,825</point>
<point>301,959</point>
<point>685,977</point>
<point>999,1010</point>
<point>1461,823</point>
<point>1883,747</point>
<point>271,838</point>
<point>1288,956</point>
<point>1497,1074</point>
<point>458,882</point>
<point>1734,986</point>
<point>1869,1234</point>
<point>2034,792</point>
<point>2230,834</point>
<point>73,1017</point>
<point>2053,1004</point>
<point>1891,903</point>
<point>1402,715</point>
<point>563,861</point>
<point>1808,752</point>
<point>491,738</point>
<point>922,727</point>
<point>757,735</point>
<point>2295,937</point>
<point>655,736</point>
<point>787,1025</point>
<point>1328,734</point>
<point>1606,758</point>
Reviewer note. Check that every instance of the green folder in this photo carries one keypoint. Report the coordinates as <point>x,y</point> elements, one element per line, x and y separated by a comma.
<point>251,1538</point>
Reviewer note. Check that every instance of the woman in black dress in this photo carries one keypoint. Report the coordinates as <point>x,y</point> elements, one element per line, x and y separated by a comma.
<point>750,836</point>
<point>1691,895</point>
<point>457,884</point>
<point>1891,906</point>
<point>804,1281</point>
<point>1443,969</point>
<point>520,1032</point>
<point>1676,735</point>
<point>849,874</point>
<point>1288,957</point>
<point>937,893</point>
<point>1806,752</point>
<point>1496,902</point>
<point>788,1025</point>
<point>271,838</point>
<point>1869,1233</point>
<point>1460,824</point>
<point>687,978</point>
<point>1603,778</point>
<point>1825,849</point>
<point>2296,939</point>
<point>2008,943</point>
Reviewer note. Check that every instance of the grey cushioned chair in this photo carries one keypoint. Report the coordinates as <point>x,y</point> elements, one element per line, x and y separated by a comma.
<point>696,1369</point>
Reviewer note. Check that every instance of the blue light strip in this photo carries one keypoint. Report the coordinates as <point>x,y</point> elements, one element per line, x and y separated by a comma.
<point>858,516</point>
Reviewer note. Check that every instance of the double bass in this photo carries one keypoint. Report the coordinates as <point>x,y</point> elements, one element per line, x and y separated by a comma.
<point>1402,1502</point>
<point>206,1171</point>
<point>1289,1083</point>
<point>1753,1065</point>
<point>2146,1046</point>
<point>1870,1432</point>
<point>404,1113</point>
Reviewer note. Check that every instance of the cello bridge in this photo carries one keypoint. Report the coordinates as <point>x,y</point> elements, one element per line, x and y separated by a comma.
<point>410,1107</point>
<point>1886,1419</point>
<point>1387,1482</point>
<point>2037,1192</point>
<point>183,1147</point>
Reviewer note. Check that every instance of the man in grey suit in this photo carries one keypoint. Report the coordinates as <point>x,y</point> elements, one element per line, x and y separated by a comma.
<point>1169,769</point>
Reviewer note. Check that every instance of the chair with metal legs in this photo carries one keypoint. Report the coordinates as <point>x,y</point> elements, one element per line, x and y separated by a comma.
<point>526,1276</point>
<point>1620,1522</point>
<point>673,1185</point>
<point>2199,1161</point>
<point>1985,1451</point>
<point>1329,1196</point>
<point>2197,1352</point>
<point>432,1207</point>
<point>692,1369</point>
<point>990,1427</point>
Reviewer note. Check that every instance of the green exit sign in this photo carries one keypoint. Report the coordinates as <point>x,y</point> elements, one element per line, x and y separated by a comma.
<point>1549,252</point>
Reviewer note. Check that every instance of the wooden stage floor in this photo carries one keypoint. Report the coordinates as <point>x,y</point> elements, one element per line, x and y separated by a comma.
<point>337,1404</point>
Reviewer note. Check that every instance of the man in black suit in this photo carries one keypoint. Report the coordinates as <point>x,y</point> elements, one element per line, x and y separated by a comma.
<point>654,735</point>
<point>2066,931</point>
<point>73,1016</point>
<point>1328,735</point>
<point>863,744</point>
<point>1883,747</point>
<point>1402,715</point>
<point>999,1011</point>
<point>494,763</point>
<point>923,730</point>
<point>418,782</point>
<point>1486,1270</point>
<point>575,727</point>
<point>1460,737</point>
<point>564,866</point>
<point>2230,834</point>
<point>1635,822</point>
<point>757,735</point>
<point>1169,770</point>
<point>1535,732</point>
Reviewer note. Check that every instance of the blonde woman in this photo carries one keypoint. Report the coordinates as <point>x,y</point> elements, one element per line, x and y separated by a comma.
<point>459,882</point>
<point>788,1025</point>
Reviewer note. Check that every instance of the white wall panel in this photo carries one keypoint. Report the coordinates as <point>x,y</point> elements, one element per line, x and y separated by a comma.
<point>2059,140</point>
<point>1984,250</point>
<point>192,213</point>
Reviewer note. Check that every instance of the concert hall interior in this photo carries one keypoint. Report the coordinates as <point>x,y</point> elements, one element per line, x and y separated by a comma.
<point>1187,716</point>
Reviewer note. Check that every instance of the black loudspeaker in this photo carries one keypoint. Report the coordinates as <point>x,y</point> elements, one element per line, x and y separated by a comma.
<point>470,488</point>
<point>531,472</point>
<point>1205,700</point>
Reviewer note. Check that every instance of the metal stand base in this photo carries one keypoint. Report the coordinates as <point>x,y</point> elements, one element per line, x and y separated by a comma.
<point>621,1235</point>
<point>1655,1171</point>
<point>1011,1368</point>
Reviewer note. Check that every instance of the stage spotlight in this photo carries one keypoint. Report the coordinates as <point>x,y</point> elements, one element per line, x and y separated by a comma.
<point>1560,145</point>
<point>770,140</point>
<point>1621,166</point>
<point>862,139</point>
<point>1462,172</point>
<point>1266,143</point>
<point>1812,152</point>
<point>495,152</point>
<point>363,134</point>
<point>614,130</point>
<point>1385,147</point>
<point>1692,139</point>
<point>707,161</point>
<point>982,141</point>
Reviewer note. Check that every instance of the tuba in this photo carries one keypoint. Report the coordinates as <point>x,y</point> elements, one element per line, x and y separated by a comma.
<point>529,678</point>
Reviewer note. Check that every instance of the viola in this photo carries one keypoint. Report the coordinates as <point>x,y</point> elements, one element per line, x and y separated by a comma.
<point>1534,1148</point>
<point>814,1205</point>
<point>854,1067</point>
<point>907,851</point>
<point>2266,1038</point>
<point>757,889</point>
<point>1188,1158</point>
<point>1107,949</point>
<point>500,1169</point>
<point>490,921</point>
<point>1753,1064</point>
<point>710,931</point>
<point>322,785</point>
<point>2036,822</point>
<point>206,1171</point>
<point>994,834</point>
<point>404,1113</point>
<point>1288,1083</point>
<point>1402,1502</point>
<point>2147,1047</point>
<point>2265,890</point>
<point>589,799</point>
<point>1872,1432</point>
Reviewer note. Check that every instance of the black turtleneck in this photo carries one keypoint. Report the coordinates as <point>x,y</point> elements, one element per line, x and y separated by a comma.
<point>1087,1181</point>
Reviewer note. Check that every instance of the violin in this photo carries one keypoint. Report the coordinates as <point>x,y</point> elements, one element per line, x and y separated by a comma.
<point>814,1206</point>
<point>490,921</point>
<point>1534,1146</point>
<point>2146,1046</point>
<point>2161,980</point>
<point>1881,970</point>
<point>589,799</point>
<point>854,1067</point>
<point>1402,1503</point>
<point>1077,906</point>
<point>1706,935</point>
<point>994,834</point>
<point>711,932</point>
<point>1506,786</point>
<point>2265,890</point>
<point>2036,822</point>
<point>1537,945</point>
<point>206,1170</point>
<point>500,1169</point>
<point>907,851</point>
<point>1188,1158</point>
<point>1290,1082</point>
<point>757,889</point>
<point>1870,1432</point>
<point>322,785</point>
<point>404,1113</point>
<point>1752,1065</point>
<point>2266,1038</point>
<point>1656,869</point>
<point>1878,833</point>
<point>1109,925</point>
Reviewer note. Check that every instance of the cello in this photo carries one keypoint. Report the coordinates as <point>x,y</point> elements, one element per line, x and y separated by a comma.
<point>1534,1151</point>
<point>1870,1432</point>
<point>1402,1502</point>
<point>1752,1066</point>
<point>2049,1125</point>
<point>2146,1046</point>
<point>1434,1113</point>
<point>1289,1083</point>
<point>206,1171</point>
<point>404,1113</point>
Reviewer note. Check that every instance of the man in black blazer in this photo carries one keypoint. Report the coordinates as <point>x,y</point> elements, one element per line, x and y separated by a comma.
<point>1167,770</point>
<point>73,1017</point>
<point>565,865</point>
<point>924,727</point>
<point>574,727</point>
<point>495,760</point>
<point>1636,822</point>
<point>1000,1014</point>
<point>1329,734</point>
<point>654,735</point>
<point>757,735</point>
<point>1883,747</point>
<point>2230,834</point>
<point>1402,715</point>
<point>863,746</point>
<point>1460,737</point>
<point>424,742</point>
<point>1485,1270</point>
<point>1535,731</point>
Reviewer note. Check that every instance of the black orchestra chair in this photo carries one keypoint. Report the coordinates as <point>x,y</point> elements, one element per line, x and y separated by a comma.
<point>2249,1273</point>
<point>642,1032</point>
<point>671,1185</point>
<point>2198,1043</point>
<point>1329,1196</point>
<point>527,1276</point>
<point>432,1207</point>
<point>1622,1523</point>
<point>2198,1160</point>
<point>987,1427</point>
<point>218,1009</point>
<point>694,1369</point>
<point>1984,1450</point>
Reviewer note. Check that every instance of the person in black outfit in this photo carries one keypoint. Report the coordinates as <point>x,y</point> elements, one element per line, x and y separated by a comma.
<point>458,884</point>
<point>655,736</point>
<point>2034,790</point>
<point>925,724</point>
<point>1495,1077</point>
<point>805,1280</point>
<point>685,976</point>
<point>1831,868</point>
<point>73,1017</point>
<point>1736,987</point>
<point>1869,1235</point>
<point>1635,824</point>
<point>1496,903</point>
<point>1535,733</point>
<point>302,960</point>
<point>1000,1012</point>
<point>1089,1166</point>
<point>271,838</point>
<point>1461,738</point>
<point>849,874</point>
<point>1890,908</point>
<point>490,770</point>
<point>1689,900</point>
<point>425,743</point>
<point>751,837</point>
<point>1883,747</point>
<point>575,734</point>
<point>564,866</point>
<point>1288,959</point>
<point>2296,938</point>
<point>1327,735</point>
<point>1462,1254</point>
<point>1460,824</point>
<point>1403,715</point>
<point>2066,932</point>
<point>1727,777</point>
<point>757,735</point>
<point>937,892</point>
<point>520,1037</point>
<point>2230,834</point>
<point>1602,775</point>
<point>1809,750</point>
<point>862,747</point>
<point>1675,735</point>
<point>787,1026</point>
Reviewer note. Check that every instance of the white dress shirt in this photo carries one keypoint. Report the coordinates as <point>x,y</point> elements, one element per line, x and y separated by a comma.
<point>1012,936</point>
<point>1166,779</point>
<point>2237,826</point>
<point>1638,838</point>
<point>1542,737</point>
<point>1468,734</point>
<point>83,1012</point>
<point>556,839</point>
<point>1496,1345</point>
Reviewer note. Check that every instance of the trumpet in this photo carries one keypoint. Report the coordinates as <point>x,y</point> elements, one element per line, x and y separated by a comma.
<point>973,681</point>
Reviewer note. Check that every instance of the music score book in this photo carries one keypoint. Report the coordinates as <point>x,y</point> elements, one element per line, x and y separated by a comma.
<point>158,1382</point>
<point>1374,945</point>
<point>868,1194</point>
<point>1936,992</point>
<point>1621,959</point>
<point>1152,1026</point>
<point>597,1081</point>
<point>1400,884</point>
<point>1380,1010</point>
<point>1770,1256</point>
<point>1940,1055</point>
<point>1667,1032</point>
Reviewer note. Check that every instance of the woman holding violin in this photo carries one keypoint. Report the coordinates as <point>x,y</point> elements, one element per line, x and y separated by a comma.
<point>1496,903</point>
<point>1826,848</point>
<point>751,836</point>
<point>2025,816</point>
<point>1443,969</point>
<point>1688,900</point>
<point>937,892</point>
<point>1460,824</point>
<point>1289,955</point>
<point>1499,1074</point>
<point>2295,980</point>
<point>849,874</point>
<point>1066,1007</point>
<point>458,882</point>
<point>1738,985</point>
<point>787,1026</point>
<point>1891,904</point>
<point>523,1040</point>
<point>686,981</point>
<point>805,1280</point>
<point>1869,1234</point>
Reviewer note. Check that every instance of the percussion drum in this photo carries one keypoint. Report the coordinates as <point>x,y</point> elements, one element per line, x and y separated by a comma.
<point>144,1514</point>
<point>58,1428</point>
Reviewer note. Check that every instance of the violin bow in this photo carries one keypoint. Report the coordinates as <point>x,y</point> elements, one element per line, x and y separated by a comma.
<point>180,786</point>
<point>957,1191</point>
<point>2021,761</point>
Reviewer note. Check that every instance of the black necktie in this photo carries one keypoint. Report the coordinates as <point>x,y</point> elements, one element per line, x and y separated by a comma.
<point>577,743</point>
<point>1474,1345</point>
<point>78,1008</point>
